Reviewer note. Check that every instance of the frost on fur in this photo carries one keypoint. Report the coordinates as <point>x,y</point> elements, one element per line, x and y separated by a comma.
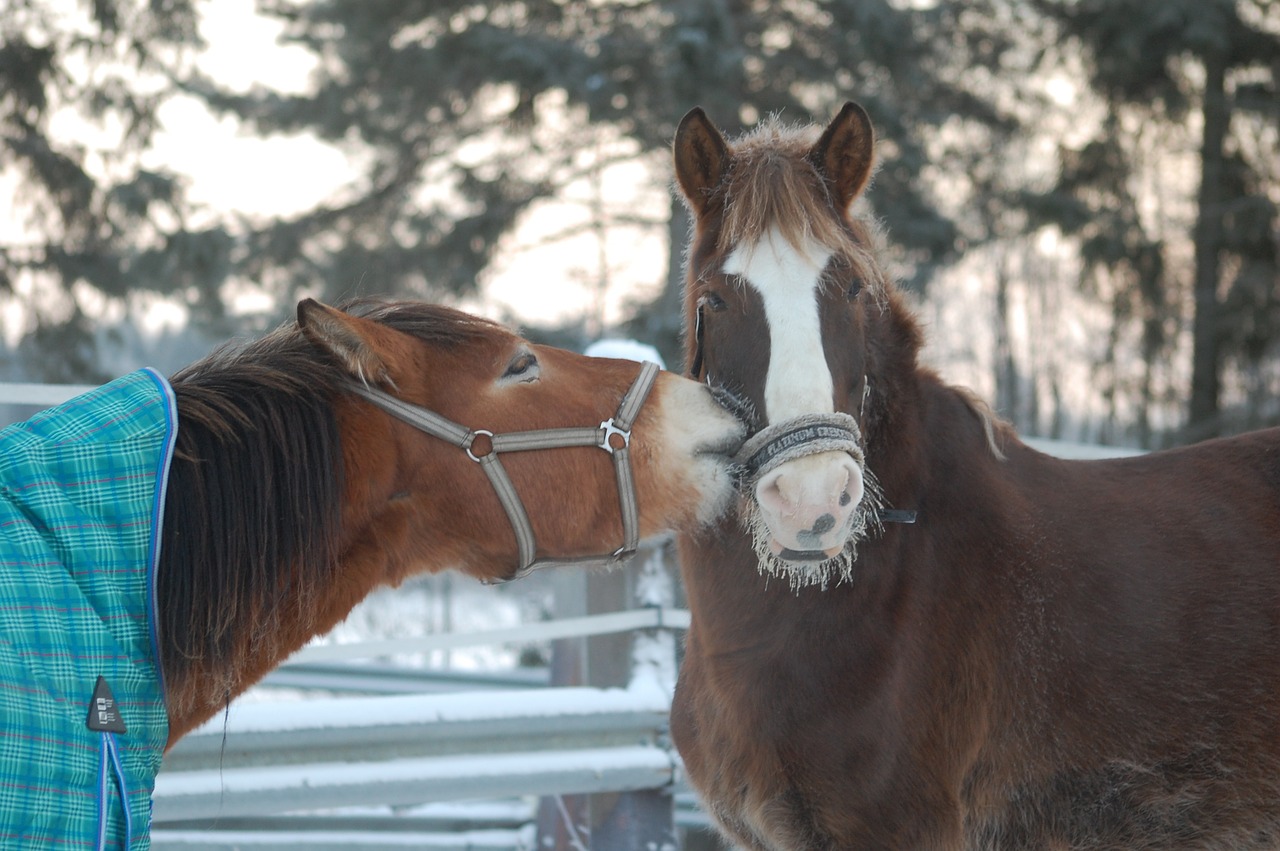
<point>864,523</point>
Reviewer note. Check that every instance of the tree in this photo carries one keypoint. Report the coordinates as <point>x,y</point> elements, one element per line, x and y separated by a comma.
<point>1212,61</point>
<point>495,101</point>
<point>93,227</point>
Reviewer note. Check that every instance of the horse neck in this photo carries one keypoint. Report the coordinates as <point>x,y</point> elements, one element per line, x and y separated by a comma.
<point>266,611</point>
<point>931,441</point>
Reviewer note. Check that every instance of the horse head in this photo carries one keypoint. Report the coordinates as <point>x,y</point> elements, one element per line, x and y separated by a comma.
<point>526,481</point>
<point>781,285</point>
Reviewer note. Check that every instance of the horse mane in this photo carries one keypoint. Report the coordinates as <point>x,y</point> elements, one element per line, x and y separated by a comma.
<point>253,507</point>
<point>997,430</point>
<point>772,184</point>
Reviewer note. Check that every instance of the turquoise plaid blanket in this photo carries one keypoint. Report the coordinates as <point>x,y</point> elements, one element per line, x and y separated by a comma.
<point>82,717</point>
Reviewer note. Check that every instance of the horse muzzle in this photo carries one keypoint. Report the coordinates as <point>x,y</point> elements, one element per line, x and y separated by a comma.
<point>807,477</point>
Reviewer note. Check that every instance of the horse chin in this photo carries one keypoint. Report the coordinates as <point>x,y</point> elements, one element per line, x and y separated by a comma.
<point>809,568</point>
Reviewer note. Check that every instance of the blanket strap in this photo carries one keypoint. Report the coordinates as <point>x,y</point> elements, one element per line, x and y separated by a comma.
<point>104,719</point>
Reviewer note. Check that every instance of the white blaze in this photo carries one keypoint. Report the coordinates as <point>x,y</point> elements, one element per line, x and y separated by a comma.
<point>808,506</point>
<point>799,381</point>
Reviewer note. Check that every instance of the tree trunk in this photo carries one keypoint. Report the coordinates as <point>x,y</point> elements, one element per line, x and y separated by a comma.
<point>1006,367</point>
<point>661,322</point>
<point>1203,416</point>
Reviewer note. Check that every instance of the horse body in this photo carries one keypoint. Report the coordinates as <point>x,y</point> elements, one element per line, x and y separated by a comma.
<point>996,678</point>
<point>1056,654</point>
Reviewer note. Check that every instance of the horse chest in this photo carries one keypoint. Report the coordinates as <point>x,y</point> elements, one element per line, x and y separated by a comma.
<point>782,766</point>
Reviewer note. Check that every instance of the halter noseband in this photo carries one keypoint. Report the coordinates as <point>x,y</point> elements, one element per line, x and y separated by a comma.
<point>548,438</point>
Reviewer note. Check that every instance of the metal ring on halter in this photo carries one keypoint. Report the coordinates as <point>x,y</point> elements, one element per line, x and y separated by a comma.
<point>471,439</point>
<point>609,430</point>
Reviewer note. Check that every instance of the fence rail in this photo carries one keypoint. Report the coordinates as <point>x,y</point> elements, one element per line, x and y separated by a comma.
<point>409,750</point>
<point>40,395</point>
<point>582,627</point>
<point>234,782</point>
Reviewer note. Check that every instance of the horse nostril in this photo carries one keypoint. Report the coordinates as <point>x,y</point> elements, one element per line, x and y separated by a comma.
<point>845,499</point>
<point>823,525</point>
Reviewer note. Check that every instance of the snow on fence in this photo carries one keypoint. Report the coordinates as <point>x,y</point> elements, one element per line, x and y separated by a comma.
<point>409,750</point>
<point>266,761</point>
<point>39,395</point>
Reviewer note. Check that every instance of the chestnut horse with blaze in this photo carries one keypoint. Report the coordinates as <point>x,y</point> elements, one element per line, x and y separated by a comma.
<point>920,633</point>
<point>270,487</point>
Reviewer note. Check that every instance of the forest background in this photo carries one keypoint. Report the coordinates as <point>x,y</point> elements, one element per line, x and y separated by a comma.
<point>1081,194</point>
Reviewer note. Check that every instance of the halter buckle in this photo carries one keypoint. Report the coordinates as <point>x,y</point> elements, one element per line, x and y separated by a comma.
<point>610,430</point>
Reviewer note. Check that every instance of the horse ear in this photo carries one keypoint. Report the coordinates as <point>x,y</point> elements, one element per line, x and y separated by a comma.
<point>845,153</point>
<point>701,156</point>
<point>353,342</point>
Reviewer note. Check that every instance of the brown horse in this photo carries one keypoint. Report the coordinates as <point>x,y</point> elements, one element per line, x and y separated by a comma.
<point>333,456</point>
<point>956,641</point>
<point>292,496</point>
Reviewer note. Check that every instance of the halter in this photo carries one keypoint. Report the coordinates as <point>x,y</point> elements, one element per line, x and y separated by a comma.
<point>602,436</point>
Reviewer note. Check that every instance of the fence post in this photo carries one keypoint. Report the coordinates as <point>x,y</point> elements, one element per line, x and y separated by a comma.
<point>624,821</point>
<point>564,821</point>
<point>643,820</point>
<point>634,821</point>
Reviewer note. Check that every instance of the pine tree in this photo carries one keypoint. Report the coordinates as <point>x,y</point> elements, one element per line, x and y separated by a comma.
<point>499,101</point>
<point>89,227</point>
<point>1209,63</point>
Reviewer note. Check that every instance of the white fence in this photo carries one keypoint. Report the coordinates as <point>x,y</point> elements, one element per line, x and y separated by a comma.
<point>408,750</point>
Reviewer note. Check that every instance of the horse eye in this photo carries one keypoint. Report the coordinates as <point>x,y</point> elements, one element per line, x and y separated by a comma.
<point>855,287</point>
<point>524,365</point>
<point>712,301</point>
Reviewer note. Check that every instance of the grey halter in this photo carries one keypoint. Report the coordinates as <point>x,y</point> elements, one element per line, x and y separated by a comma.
<point>602,436</point>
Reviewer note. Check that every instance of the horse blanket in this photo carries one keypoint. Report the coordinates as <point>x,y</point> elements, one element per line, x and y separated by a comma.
<point>82,717</point>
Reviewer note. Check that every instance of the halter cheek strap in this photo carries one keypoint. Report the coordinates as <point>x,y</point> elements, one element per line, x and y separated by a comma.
<point>613,435</point>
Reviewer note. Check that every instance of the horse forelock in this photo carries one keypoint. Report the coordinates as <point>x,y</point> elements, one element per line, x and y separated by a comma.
<point>772,186</point>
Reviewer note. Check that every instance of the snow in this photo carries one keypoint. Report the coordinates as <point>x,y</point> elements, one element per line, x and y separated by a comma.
<point>1079,451</point>
<point>322,840</point>
<point>653,652</point>
<point>624,350</point>
<point>459,776</point>
<point>264,790</point>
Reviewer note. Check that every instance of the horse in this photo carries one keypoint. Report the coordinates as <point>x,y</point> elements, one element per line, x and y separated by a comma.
<point>916,632</point>
<point>260,493</point>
